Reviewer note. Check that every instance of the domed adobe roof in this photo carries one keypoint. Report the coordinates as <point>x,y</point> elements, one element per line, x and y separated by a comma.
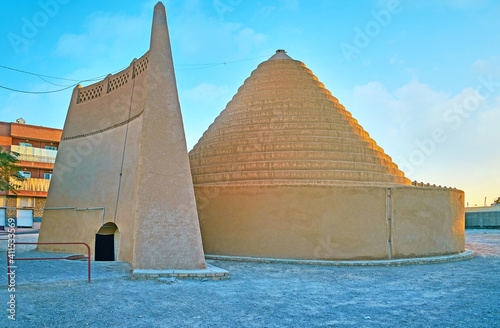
<point>283,127</point>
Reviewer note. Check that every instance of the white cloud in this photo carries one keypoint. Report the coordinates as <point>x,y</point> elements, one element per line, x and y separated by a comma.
<point>204,93</point>
<point>403,121</point>
<point>413,105</point>
<point>193,30</point>
<point>206,98</point>
<point>414,110</point>
<point>395,61</point>
<point>283,5</point>
<point>290,4</point>
<point>464,4</point>
<point>487,66</point>
<point>35,108</point>
<point>248,39</point>
<point>104,35</point>
<point>197,33</point>
<point>266,11</point>
<point>445,4</point>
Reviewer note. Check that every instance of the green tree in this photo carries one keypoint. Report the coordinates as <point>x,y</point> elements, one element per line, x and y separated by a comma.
<point>9,172</point>
<point>497,201</point>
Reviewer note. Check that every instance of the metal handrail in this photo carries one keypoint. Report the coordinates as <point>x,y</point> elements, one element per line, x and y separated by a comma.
<point>48,258</point>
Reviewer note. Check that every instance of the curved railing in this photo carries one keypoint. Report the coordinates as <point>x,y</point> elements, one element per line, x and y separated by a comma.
<point>11,256</point>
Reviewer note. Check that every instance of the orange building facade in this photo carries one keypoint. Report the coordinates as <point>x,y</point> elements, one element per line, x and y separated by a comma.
<point>37,147</point>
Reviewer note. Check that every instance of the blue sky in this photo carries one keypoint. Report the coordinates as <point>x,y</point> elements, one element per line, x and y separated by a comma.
<point>422,77</point>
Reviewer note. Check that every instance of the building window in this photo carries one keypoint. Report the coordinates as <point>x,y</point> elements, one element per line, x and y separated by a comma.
<point>47,175</point>
<point>51,147</point>
<point>25,144</point>
<point>26,174</point>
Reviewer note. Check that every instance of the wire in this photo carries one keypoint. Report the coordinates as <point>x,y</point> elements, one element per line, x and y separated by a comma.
<point>225,63</point>
<point>37,92</point>
<point>195,68</point>
<point>36,74</point>
<point>43,76</point>
<point>59,78</point>
<point>59,85</point>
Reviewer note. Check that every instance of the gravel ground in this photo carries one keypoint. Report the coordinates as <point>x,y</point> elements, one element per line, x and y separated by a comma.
<point>457,294</point>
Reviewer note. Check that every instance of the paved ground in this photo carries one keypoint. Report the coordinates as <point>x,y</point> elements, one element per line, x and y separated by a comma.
<point>41,272</point>
<point>458,294</point>
<point>34,229</point>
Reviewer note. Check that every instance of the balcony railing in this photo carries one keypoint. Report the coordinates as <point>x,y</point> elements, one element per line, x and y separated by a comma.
<point>38,159</point>
<point>33,184</point>
<point>32,154</point>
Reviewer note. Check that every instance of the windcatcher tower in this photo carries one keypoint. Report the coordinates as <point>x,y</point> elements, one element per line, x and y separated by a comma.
<point>286,172</point>
<point>122,169</point>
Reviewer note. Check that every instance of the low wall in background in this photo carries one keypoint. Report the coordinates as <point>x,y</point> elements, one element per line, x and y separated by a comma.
<point>482,217</point>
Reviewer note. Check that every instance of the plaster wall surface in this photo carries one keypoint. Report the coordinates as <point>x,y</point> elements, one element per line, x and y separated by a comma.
<point>427,221</point>
<point>167,232</point>
<point>88,171</point>
<point>328,222</point>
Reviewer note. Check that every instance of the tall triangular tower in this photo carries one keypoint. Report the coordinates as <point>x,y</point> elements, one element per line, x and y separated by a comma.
<point>122,179</point>
<point>168,228</point>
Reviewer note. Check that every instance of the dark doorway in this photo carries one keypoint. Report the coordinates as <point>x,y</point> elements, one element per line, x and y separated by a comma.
<point>104,247</point>
<point>107,243</point>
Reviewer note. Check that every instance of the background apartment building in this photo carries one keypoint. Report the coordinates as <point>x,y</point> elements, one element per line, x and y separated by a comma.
<point>37,146</point>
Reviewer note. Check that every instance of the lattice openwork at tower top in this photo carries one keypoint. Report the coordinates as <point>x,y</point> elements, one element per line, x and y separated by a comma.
<point>90,94</point>
<point>118,81</point>
<point>113,82</point>
<point>141,65</point>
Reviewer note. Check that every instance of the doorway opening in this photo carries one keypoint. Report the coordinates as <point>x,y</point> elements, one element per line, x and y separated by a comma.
<point>107,241</point>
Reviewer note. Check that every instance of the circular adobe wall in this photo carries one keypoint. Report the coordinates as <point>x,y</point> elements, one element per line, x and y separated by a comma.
<point>286,172</point>
<point>331,222</point>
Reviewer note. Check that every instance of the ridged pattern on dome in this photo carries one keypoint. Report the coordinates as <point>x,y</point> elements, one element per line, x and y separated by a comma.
<point>284,127</point>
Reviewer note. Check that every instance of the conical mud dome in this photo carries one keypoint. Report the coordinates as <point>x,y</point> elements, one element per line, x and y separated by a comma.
<point>283,127</point>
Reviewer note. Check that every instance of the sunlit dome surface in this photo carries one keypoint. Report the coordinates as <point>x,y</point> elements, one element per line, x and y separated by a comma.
<point>284,128</point>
